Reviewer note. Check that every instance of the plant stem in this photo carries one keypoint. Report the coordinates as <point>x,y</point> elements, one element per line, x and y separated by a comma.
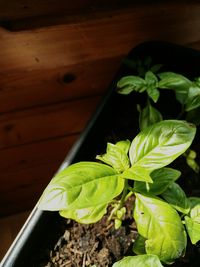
<point>125,195</point>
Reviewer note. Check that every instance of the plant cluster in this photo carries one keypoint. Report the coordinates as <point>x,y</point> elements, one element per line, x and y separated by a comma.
<point>162,211</point>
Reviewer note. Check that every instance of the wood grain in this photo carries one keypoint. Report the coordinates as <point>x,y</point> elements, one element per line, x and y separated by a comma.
<point>37,124</point>
<point>20,89</point>
<point>27,170</point>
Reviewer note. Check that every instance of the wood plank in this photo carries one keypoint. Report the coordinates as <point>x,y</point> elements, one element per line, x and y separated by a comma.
<point>25,8</point>
<point>26,170</point>
<point>109,36</point>
<point>22,89</point>
<point>45,122</point>
<point>17,9</point>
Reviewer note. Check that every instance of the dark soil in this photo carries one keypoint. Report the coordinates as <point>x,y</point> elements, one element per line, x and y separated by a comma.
<point>96,244</point>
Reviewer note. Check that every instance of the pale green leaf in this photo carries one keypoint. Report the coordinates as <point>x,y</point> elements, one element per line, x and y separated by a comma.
<point>116,155</point>
<point>137,173</point>
<point>128,84</point>
<point>152,83</point>
<point>161,225</point>
<point>160,144</point>
<point>148,116</point>
<point>193,229</point>
<point>162,178</point>
<point>139,261</point>
<point>81,184</point>
<point>86,215</point>
<point>176,197</point>
<point>124,145</point>
<point>195,208</point>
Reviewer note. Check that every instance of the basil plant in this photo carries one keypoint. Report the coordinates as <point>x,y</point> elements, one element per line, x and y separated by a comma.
<point>161,210</point>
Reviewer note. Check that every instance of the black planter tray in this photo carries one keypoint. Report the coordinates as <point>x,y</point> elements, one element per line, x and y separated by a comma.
<point>115,118</point>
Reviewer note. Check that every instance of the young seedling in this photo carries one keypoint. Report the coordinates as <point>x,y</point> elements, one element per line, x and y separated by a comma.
<point>162,212</point>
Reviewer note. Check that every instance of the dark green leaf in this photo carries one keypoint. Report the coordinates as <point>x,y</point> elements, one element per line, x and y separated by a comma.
<point>158,222</point>
<point>193,99</point>
<point>162,178</point>
<point>156,68</point>
<point>139,245</point>
<point>128,84</point>
<point>148,116</point>
<point>80,185</point>
<point>160,144</point>
<point>194,116</point>
<point>139,261</point>
<point>176,197</point>
<point>116,155</point>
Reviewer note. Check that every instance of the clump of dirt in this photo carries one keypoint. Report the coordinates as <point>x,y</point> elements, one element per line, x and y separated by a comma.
<point>98,244</point>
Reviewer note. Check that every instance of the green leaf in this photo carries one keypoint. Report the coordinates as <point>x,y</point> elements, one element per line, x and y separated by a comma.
<point>194,116</point>
<point>86,215</point>
<point>162,178</point>
<point>190,159</point>
<point>152,83</point>
<point>156,68</point>
<point>193,99</point>
<point>139,261</point>
<point>137,173</point>
<point>116,155</point>
<point>194,203</point>
<point>139,245</point>
<point>193,229</point>
<point>175,81</point>
<point>176,197</point>
<point>148,116</point>
<point>158,222</point>
<point>80,185</point>
<point>179,83</point>
<point>192,223</point>
<point>160,144</point>
<point>128,84</point>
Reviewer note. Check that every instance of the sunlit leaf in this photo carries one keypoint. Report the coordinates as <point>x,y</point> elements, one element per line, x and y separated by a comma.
<point>160,144</point>
<point>137,173</point>
<point>139,261</point>
<point>161,225</point>
<point>80,185</point>
<point>193,229</point>
<point>86,215</point>
<point>116,155</point>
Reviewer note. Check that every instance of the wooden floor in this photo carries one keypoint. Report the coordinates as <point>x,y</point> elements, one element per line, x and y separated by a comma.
<point>9,227</point>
